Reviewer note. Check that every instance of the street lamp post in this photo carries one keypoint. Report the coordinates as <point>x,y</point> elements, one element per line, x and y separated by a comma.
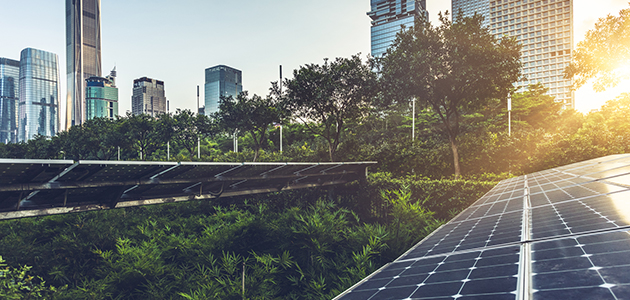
<point>509,103</point>
<point>413,119</point>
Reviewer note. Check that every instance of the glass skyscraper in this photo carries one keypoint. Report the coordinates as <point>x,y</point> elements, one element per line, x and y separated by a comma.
<point>83,54</point>
<point>387,18</point>
<point>148,97</point>
<point>9,97</point>
<point>545,29</point>
<point>221,81</point>
<point>101,97</point>
<point>38,111</point>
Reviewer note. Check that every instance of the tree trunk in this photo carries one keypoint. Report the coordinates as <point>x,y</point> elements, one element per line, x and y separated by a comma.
<point>451,138</point>
<point>330,151</point>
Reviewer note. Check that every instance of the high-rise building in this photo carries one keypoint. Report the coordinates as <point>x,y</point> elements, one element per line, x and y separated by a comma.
<point>545,30</point>
<point>9,93</point>
<point>38,111</point>
<point>470,7</point>
<point>101,97</point>
<point>387,18</point>
<point>83,54</point>
<point>148,97</point>
<point>221,81</point>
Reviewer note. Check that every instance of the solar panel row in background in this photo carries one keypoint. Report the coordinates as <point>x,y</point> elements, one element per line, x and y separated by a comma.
<point>41,187</point>
<point>562,233</point>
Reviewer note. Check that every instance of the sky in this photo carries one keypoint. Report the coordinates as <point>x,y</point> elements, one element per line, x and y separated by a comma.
<point>175,41</point>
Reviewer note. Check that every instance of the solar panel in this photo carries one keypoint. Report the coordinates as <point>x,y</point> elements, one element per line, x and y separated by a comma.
<point>42,187</point>
<point>562,233</point>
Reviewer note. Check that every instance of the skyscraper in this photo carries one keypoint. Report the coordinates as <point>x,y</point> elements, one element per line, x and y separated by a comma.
<point>387,18</point>
<point>101,97</point>
<point>148,97</point>
<point>470,7</point>
<point>545,29</point>
<point>38,111</point>
<point>221,81</point>
<point>83,54</point>
<point>9,92</point>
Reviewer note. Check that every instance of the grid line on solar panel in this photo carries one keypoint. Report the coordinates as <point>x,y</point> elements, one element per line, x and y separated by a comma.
<point>574,215</point>
<point>583,262</point>
<point>462,235</point>
<point>482,273</point>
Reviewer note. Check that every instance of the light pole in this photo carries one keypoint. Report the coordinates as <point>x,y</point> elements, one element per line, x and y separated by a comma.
<point>413,119</point>
<point>235,140</point>
<point>280,96</point>
<point>509,103</point>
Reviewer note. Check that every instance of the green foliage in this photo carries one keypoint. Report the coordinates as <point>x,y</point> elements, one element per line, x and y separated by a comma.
<point>453,69</point>
<point>326,97</point>
<point>603,54</point>
<point>293,245</point>
<point>250,115</point>
<point>17,284</point>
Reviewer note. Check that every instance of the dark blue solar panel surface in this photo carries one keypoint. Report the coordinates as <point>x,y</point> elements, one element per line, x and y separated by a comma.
<point>562,233</point>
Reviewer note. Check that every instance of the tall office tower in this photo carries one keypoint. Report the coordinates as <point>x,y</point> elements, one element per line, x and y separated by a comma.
<point>470,7</point>
<point>148,97</point>
<point>83,54</point>
<point>38,111</point>
<point>9,92</point>
<point>387,18</point>
<point>101,97</point>
<point>221,81</point>
<point>545,29</point>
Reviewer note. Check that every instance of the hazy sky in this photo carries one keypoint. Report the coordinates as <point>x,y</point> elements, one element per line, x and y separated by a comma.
<point>175,41</point>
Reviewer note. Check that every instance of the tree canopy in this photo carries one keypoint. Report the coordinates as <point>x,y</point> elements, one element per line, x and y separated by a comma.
<point>452,69</point>
<point>250,114</point>
<point>604,54</point>
<point>325,97</point>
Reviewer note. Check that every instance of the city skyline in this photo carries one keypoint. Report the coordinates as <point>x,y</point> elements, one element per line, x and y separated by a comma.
<point>178,49</point>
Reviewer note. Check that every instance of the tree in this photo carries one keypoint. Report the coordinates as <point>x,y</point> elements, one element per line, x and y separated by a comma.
<point>453,69</point>
<point>324,97</point>
<point>603,54</point>
<point>252,115</point>
<point>186,128</point>
<point>142,133</point>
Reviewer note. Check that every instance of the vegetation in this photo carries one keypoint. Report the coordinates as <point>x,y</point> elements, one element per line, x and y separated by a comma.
<point>452,69</point>
<point>604,53</point>
<point>290,245</point>
<point>316,243</point>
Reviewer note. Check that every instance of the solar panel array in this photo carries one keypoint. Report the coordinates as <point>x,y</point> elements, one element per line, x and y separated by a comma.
<point>562,233</point>
<point>42,187</point>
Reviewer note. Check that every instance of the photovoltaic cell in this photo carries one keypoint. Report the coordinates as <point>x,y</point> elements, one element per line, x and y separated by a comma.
<point>562,233</point>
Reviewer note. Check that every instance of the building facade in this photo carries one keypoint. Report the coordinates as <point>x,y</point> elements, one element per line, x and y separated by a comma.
<point>38,108</point>
<point>221,81</point>
<point>9,97</point>
<point>387,18</point>
<point>545,30</point>
<point>83,54</point>
<point>148,97</point>
<point>101,97</point>
<point>470,7</point>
